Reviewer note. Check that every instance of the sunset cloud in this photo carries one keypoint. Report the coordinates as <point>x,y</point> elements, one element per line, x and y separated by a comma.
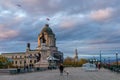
<point>101,14</point>
<point>6,33</point>
<point>88,25</point>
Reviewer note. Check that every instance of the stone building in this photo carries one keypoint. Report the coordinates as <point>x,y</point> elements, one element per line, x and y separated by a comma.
<point>39,57</point>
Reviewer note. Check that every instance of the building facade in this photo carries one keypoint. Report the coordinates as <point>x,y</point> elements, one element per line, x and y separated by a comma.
<point>38,57</point>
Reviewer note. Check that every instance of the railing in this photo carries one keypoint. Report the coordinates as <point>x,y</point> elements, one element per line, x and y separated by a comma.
<point>21,70</point>
<point>113,68</point>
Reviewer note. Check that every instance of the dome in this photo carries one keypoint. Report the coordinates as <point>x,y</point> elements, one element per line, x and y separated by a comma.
<point>47,29</point>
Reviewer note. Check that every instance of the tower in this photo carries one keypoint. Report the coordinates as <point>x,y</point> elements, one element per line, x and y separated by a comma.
<point>28,46</point>
<point>76,56</point>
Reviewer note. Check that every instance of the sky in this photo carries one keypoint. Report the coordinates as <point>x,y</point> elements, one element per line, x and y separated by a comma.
<point>90,26</point>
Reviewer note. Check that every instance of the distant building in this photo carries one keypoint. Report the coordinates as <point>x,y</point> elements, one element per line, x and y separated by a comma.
<point>76,56</point>
<point>46,47</point>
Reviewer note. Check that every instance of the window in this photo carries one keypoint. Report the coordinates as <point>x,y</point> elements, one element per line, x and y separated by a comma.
<point>34,61</point>
<point>24,61</point>
<point>24,56</point>
<point>12,57</point>
<point>30,61</point>
<point>20,62</point>
<point>15,62</point>
<point>20,56</point>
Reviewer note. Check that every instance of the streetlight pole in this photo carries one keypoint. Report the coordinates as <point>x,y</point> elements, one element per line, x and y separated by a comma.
<point>117,59</point>
<point>100,59</point>
<point>104,62</point>
<point>109,60</point>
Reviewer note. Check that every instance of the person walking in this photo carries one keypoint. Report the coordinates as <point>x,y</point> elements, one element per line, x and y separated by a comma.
<point>61,68</point>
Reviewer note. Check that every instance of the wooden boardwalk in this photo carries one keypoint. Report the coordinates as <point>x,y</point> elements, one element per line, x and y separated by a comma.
<point>74,74</point>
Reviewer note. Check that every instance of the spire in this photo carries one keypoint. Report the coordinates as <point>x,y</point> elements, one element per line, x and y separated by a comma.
<point>76,55</point>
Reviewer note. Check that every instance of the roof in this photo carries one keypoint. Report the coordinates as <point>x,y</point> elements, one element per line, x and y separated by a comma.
<point>47,29</point>
<point>13,53</point>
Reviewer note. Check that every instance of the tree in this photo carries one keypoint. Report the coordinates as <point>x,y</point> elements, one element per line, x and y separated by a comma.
<point>4,62</point>
<point>68,61</point>
<point>82,61</point>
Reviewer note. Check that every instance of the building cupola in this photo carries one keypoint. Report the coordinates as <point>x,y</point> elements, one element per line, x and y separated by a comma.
<point>46,37</point>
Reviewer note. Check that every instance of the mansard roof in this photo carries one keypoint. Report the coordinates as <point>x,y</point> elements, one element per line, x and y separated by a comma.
<point>13,53</point>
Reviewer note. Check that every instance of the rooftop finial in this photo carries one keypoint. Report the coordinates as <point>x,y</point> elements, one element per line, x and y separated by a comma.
<point>47,25</point>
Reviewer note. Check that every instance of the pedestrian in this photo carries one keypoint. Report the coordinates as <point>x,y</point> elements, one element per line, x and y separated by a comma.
<point>61,68</point>
<point>99,66</point>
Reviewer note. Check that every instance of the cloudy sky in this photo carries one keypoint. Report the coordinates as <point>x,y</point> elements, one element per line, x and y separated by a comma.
<point>88,25</point>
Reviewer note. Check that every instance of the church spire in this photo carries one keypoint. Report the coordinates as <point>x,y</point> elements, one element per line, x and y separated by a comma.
<point>76,55</point>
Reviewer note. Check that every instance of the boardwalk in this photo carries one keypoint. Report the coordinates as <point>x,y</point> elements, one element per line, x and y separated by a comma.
<point>75,74</point>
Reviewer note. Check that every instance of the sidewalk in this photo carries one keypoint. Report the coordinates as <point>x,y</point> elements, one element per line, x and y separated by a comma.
<point>74,74</point>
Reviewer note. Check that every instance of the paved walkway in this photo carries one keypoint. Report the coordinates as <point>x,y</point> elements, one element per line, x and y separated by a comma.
<point>75,74</point>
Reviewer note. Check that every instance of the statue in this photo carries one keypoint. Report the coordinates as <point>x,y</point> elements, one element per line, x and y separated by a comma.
<point>38,56</point>
<point>28,45</point>
<point>42,38</point>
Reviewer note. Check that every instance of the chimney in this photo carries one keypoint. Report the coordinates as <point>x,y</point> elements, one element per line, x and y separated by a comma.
<point>28,46</point>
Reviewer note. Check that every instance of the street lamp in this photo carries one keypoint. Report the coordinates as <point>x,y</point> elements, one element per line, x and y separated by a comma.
<point>104,62</point>
<point>52,61</point>
<point>90,60</point>
<point>117,59</point>
<point>100,58</point>
<point>109,60</point>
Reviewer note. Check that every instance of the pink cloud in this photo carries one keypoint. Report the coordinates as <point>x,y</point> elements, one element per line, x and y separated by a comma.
<point>67,23</point>
<point>32,2</point>
<point>101,14</point>
<point>6,33</point>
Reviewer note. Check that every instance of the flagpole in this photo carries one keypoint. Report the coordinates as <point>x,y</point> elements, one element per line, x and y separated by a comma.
<point>47,19</point>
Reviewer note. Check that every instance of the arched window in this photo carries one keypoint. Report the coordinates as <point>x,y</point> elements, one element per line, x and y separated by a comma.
<point>30,61</point>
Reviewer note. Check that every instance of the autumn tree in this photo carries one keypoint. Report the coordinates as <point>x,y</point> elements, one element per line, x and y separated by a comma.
<point>4,62</point>
<point>68,61</point>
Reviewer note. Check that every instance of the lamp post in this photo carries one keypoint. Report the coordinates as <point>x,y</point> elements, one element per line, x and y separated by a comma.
<point>109,60</point>
<point>100,58</point>
<point>104,62</point>
<point>117,59</point>
<point>90,60</point>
